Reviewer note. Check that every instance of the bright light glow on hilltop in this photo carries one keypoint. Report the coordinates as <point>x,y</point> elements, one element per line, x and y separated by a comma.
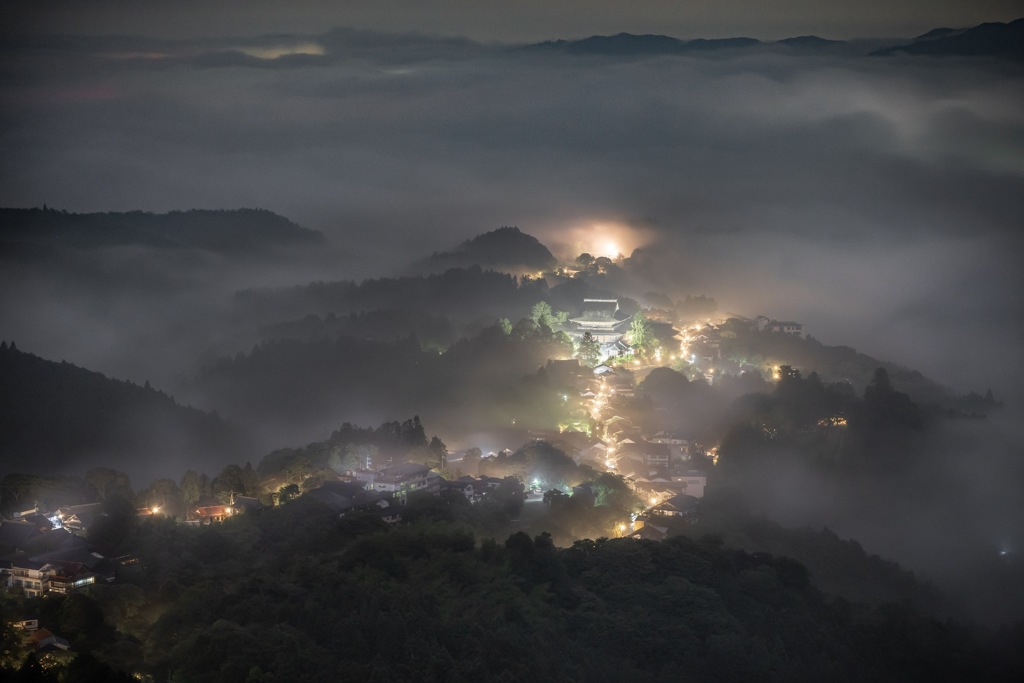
<point>610,249</point>
<point>597,238</point>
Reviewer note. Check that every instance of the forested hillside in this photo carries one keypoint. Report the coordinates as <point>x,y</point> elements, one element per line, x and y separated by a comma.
<point>295,593</point>
<point>300,387</point>
<point>461,293</point>
<point>503,249</point>
<point>57,417</point>
<point>241,230</point>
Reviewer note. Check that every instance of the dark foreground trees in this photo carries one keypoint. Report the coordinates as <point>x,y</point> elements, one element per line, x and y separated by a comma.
<point>297,594</point>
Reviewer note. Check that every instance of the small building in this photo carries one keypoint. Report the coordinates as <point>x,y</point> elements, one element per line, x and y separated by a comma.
<point>43,640</point>
<point>403,479</point>
<point>677,444</point>
<point>650,455</point>
<point>595,453</point>
<point>643,530</point>
<point>71,577</point>
<point>463,485</point>
<point>29,625</point>
<point>693,481</point>
<point>785,327</point>
<point>682,505</point>
<point>475,488</point>
<point>30,576</point>
<point>78,518</point>
<point>342,497</point>
<point>213,513</point>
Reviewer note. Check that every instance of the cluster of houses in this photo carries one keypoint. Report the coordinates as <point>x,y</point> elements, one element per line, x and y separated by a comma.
<point>607,323</point>
<point>48,555</point>
<point>48,552</point>
<point>382,492</point>
<point>385,492</point>
<point>658,467</point>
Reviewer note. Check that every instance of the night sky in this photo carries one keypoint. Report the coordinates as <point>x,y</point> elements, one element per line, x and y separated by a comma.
<point>519,20</point>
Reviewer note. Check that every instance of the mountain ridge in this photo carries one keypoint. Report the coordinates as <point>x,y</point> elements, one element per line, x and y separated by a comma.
<point>993,39</point>
<point>506,247</point>
<point>59,417</point>
<point>225,230</point>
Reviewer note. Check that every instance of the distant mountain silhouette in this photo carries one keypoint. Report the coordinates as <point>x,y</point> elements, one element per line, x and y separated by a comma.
<point>720,43</point>
<point>628,44</point>
<point>505,248</point>
<point>625,43</point>
<point>809,42</point>
<point>59,418</point>
<point>937,33</point>
<point>242,230</point>
<point>993,40</point>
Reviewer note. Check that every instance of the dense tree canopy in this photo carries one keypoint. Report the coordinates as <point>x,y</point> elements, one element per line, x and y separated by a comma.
<point>296,594</point>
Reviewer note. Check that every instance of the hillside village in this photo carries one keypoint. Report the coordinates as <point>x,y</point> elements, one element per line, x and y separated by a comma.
<point>49,550</point>
<point>616,435</point>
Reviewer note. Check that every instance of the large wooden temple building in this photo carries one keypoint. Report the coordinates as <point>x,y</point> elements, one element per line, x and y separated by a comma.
<point>603,319</point>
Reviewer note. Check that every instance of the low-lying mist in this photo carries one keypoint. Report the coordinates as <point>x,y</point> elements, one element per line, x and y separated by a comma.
<point>878,201</point>
<point>952,517</point>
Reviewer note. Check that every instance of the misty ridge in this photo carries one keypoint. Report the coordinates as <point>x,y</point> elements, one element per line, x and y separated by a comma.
<point>374,315</point>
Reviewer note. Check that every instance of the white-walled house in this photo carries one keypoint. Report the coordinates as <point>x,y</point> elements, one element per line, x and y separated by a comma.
<point>694,482</point>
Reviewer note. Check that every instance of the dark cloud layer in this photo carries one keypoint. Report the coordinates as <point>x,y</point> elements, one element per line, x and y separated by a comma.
<point>516,20</point>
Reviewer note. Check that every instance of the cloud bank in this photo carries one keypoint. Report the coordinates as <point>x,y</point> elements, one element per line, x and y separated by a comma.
<point>877,200</point>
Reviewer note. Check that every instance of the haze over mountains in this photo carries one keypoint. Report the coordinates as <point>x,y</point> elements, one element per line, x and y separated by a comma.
<point>745,171</point>
<point>282,363</point>
<point>290,364</point>
<point>997,39</point>
<point>803,241</point>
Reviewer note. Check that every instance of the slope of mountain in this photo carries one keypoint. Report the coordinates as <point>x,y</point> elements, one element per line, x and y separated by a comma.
<point>628,44</point>
<point>937,33</point>
<point>993,39</point>
<point>809,42</point>
<point>60,418</point>
<point>461,294</point>
<point>241,230</point>
<point>503,249</point>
